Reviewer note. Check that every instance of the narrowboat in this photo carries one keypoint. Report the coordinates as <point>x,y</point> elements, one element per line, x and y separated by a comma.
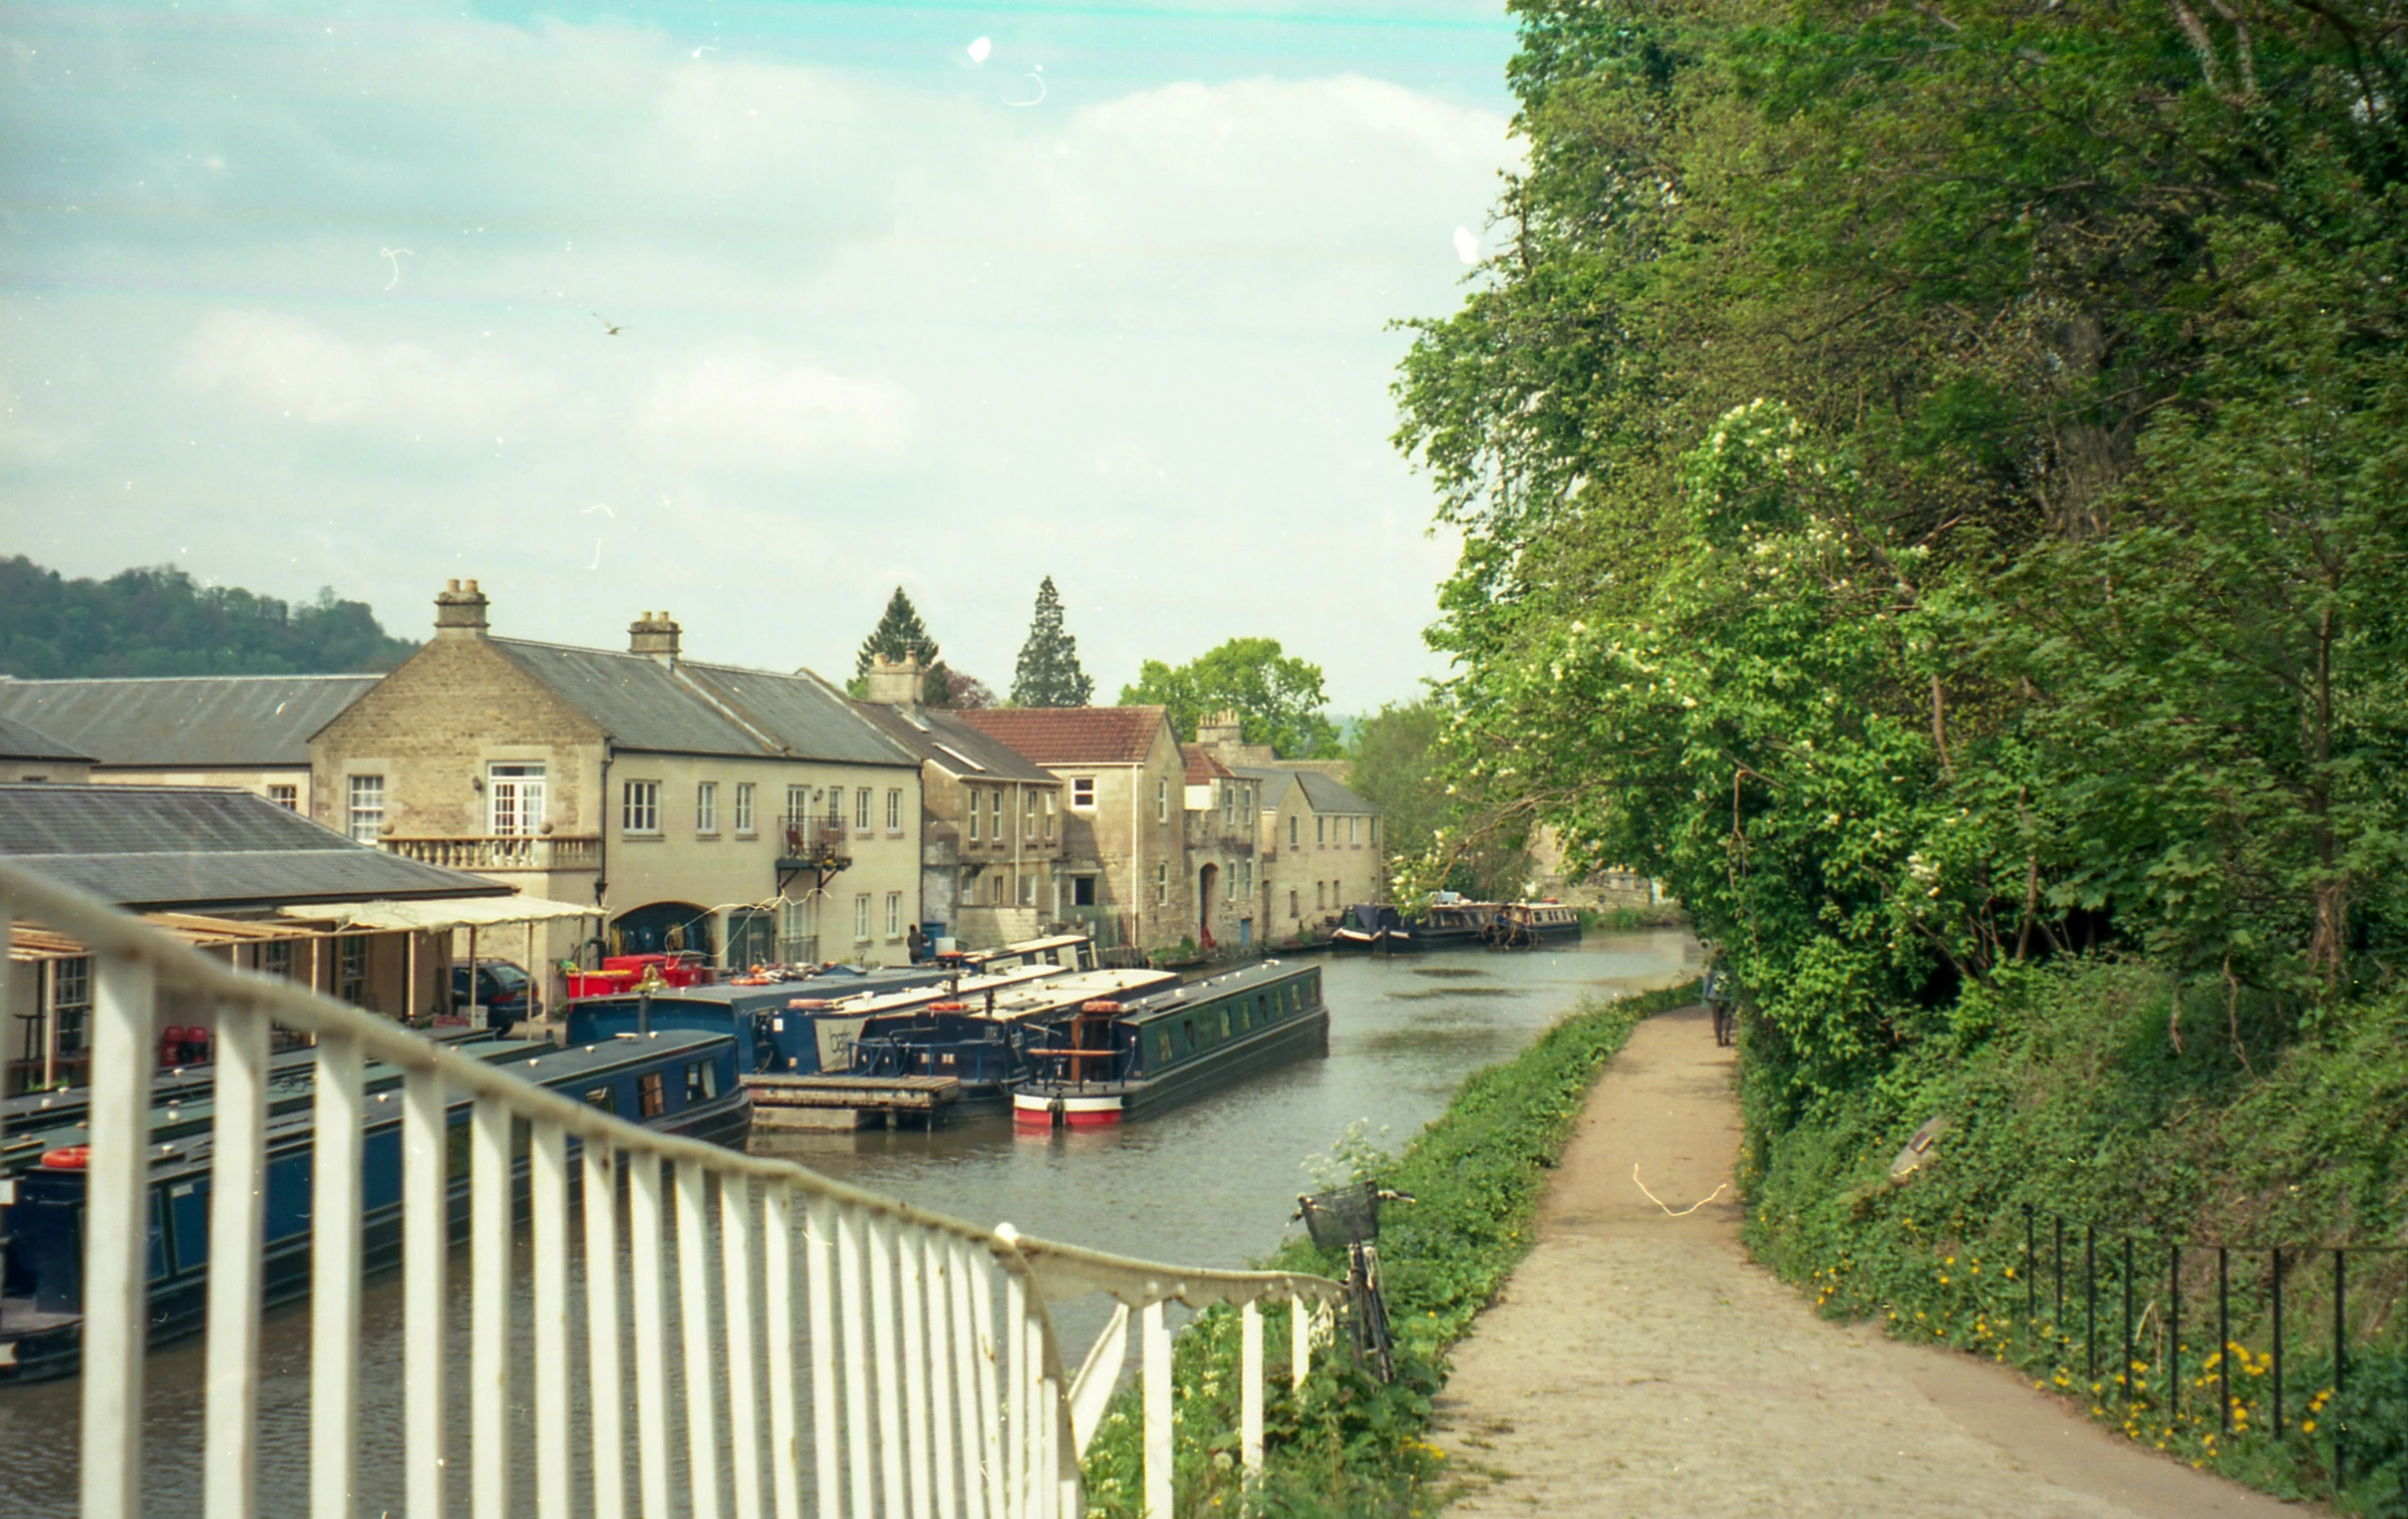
<point>1448,922</point>
<point>984,1045</point>
<point>1112,1061</point>
<point>1527,924</point>
<point>679,1082</point>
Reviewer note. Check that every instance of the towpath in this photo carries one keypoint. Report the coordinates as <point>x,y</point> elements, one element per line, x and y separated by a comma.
<point>1638,1364</point>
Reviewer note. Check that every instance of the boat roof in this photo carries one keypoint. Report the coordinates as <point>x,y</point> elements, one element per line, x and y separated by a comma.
<point>1196,993</point>
<point>1063,994</point>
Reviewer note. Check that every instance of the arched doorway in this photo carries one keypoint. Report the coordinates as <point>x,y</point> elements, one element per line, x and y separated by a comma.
<point>659,928</point>
<point>1206,879</point>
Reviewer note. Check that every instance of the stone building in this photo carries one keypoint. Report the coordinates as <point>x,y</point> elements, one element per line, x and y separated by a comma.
<point>1322,850</point>
<point>992,834</point>
<point>743,813</point>
<point>28,753</point>
<point>246,731</point>
<point>1123,870</point>
<point>1221,826</point>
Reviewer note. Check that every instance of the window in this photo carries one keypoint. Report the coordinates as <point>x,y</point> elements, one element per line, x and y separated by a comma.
<point>1354,833</point>
<point>744,807</point>
<point>1082,792</point>
<point>651,1095</point>
<point>705,806</point>
<point>894,915</point>
<point>640,807</point>
<point>1248,803</point>
<point>798,805</point>
<point>994,814</point>
<point>702,1081</point>
<point>1028,813</point>
<point>1049,817</point>
<point>1320,894</point>
<point>71,1003</point>
<point>1161,883</point>
<point>972,793</point>
<point>285,796</point>
<point>862,802</point>
<point>835,804</point>
<point>1229,803</point>
<point>513,800</point>
<point>276,959</point>
<point>1294,822</point>
<point>602,1100</point>
<point>1028,888</point>
<point>1292,906</point>
<point>894,810</point>
<point>1082,891</point>
<point>1246,879</point>
<point>351,969</point>
<point>366,817</point>
<point>862,916</point>
<point>1161,799</point>
<point>1321,832</point>
<point>1229,883</point>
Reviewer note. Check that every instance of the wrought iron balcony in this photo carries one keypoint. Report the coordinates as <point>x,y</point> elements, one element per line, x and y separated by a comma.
<point>813,842</point>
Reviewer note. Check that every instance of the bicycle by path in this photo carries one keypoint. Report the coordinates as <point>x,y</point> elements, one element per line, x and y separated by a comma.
<point>1637,1364</point>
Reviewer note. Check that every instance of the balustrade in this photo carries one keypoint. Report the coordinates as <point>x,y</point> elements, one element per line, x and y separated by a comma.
<point>503,851</point>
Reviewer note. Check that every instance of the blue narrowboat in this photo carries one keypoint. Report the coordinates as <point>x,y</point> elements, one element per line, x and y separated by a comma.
<point>985,1043</point>
<point>678,1081</point>
<point>1114,1060</point>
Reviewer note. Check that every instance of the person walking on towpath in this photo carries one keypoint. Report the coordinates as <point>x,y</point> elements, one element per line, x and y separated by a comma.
<point>1637,1364</point>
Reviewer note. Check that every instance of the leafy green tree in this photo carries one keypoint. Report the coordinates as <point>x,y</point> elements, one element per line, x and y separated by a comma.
<point>1049,673</point>
<point>1276,696</point>
<point>150,622</point>
<point>899,634</point>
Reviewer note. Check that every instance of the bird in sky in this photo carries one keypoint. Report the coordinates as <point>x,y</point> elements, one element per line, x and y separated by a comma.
<point>610,329</point>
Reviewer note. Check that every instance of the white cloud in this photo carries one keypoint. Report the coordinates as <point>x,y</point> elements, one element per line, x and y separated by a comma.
<point>738,405</point>
<point>292,367</point>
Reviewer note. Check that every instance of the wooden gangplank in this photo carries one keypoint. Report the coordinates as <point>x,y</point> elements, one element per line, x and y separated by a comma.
<point>847,1101</point>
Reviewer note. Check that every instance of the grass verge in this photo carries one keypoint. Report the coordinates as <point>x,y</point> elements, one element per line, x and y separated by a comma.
<point>1349,1446</point>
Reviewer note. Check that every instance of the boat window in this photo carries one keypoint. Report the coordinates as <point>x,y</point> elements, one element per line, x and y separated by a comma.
<point>1163,1046</point>
<point>1224,1023</point>
<point>603,1098</point>
<point>1187,1036</point>
<point>702,1081</point>
<point>651,1099</point>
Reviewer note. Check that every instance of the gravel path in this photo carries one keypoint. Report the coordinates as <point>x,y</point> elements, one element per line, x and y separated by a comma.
<point>1638,1364</point>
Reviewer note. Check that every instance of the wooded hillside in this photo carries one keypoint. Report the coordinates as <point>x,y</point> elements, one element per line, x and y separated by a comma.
<point>161,622</point>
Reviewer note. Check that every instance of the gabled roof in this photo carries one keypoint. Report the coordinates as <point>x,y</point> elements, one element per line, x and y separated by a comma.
<point>1203,767</point>
<point>942,739</point>
<point>1322,794</point>
<point>23,741</point>
<point>146,846</point>
<point>1055,736</point>
<point>230,721</point>
<point>688,708</point>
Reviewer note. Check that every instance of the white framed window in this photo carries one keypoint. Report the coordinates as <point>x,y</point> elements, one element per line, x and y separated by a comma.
<point>1229,803</point>
<point>1161,799</point>
<point>640,807</point>
<point>863,800</point>
<point>1246,802</point>
<point>744,810</point>
<point>1229,884</point>
<point>894,912</point>
<point>835,801</point>
<point>971,791</point>
<point>1246,879</point>
<point>1320,833</point>
<point>798,805</point>
<point>705,806</point>
<point>862,917</point>
<point>1028,814</point>
<point>1354,833</point>
<point>70,1005</point>
<point>365,811</point>
<point>1049,817</point>
<point>285,796</point>
<point>1082,792</point>
<point>894,809</point>
<point>515,799</point>
<point>1161,884</point>
<point>994,814</point>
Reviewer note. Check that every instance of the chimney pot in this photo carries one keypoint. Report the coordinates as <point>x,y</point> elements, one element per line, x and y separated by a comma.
<point>655,634</point>
<point>460,611</point>
<point>897,682</point>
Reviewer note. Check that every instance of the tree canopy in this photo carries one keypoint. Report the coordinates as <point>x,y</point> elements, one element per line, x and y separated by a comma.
<point>1931,490</point>
<point>1049,673</point>
<point>160,621</point>
<point>899,634</point>
<point>1396,758</point>
<point>1276,696</point>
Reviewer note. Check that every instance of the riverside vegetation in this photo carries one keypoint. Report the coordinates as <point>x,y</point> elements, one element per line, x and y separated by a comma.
<point>1933,485</point>
<point>1350,1445</point>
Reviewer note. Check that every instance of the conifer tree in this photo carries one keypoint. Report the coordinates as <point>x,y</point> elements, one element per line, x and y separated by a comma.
<point>1049,673</point>
<point>900,632</point>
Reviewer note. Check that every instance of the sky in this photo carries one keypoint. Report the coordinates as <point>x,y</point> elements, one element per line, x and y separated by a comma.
<point>751,313</point>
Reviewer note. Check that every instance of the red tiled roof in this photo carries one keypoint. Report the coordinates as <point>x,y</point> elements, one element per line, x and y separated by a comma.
<point>1202,768</point>
<point>1073,734</point>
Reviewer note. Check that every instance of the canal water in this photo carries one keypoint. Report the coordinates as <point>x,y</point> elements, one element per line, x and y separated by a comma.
<point>1211,1185</point>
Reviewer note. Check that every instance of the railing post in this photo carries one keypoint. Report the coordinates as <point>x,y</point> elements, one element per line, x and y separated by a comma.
<point>426,1256</point>
<point>945,1394</point>
<point>913,1302</point>
<point>237,1215</point>
<point>1300,1343</point>
<point>547,1197</point>
<point>884,1364</point>
<point>1249,1401</point>
<point>1156,1373</point>
<point>854,1313</point>
<point>606,1388</point>
<point>777,1286</point>
<point>117,1237</point>
<point>819,1292</point>
<point>334,1288</point>
<point>736,1249</point>
<point>693,1317</point>
<point>1016,1391</point>
<point>652,1333</point>
<point>490,1308</point>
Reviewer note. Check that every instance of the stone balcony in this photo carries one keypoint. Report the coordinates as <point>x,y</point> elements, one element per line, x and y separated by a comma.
<point>492,852</point>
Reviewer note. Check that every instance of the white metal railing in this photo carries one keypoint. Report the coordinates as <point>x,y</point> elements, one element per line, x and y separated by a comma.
<point>924,1358</point>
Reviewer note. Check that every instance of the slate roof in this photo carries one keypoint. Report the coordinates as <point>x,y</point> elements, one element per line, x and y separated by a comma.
<point>941,738</point>
<point>23,741</point>
<point>174,846</point>
<point>691,708</point>
<point>1322,794</point>
<point>1203,767</point>
<point>1074,735</point>
<point>232,721</point>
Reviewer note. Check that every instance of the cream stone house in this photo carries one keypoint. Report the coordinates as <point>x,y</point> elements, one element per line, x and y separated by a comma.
<point>744,813</point>
<point>991,826</point>
<point>1221,827</point>
<point>246,731</point>
<point>1123,870</point>
<point>1320,849</point>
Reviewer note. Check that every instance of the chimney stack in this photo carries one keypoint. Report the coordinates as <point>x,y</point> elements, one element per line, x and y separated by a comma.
<point>460,611</point>
<point>653,634</point>
<point>1223,729</point>
<point>896,682</point>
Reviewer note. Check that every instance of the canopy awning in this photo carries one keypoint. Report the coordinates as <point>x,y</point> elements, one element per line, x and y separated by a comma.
<point>457,912</point>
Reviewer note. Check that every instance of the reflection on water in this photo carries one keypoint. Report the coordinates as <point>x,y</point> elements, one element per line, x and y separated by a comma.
<point>1209,1184</point>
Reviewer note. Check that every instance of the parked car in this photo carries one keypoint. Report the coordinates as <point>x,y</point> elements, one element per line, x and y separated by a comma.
<point>502,989</point>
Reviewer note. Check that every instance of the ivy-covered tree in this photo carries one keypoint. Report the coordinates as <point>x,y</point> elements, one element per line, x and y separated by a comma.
<point>1049,673</point>
<point>901,633</point>
<point>1277,696</point>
